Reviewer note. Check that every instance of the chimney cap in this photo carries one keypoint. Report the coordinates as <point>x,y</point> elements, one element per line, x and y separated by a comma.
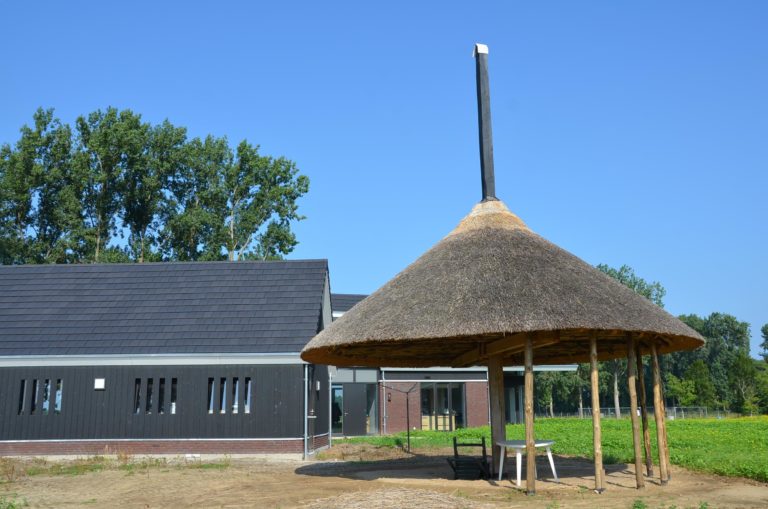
<point>480,48</point>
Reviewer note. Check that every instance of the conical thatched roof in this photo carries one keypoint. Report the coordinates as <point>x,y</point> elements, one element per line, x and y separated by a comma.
<point>480,291</point>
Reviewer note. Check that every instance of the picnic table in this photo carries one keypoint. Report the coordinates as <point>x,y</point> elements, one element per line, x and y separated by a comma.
<point>519,446</point>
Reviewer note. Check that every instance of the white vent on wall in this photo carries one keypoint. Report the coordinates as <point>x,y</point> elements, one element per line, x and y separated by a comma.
<point>99,384</point>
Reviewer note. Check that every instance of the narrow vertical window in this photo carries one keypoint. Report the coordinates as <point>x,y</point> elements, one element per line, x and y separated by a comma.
<point>223,396</point>
<point>173,395</point>
<point>149,395</point>
<point>161,396</point>
<point>235,391</point>
<point>137,396</point>
<point>22,396</point>
<point>247,395</point>
<point>46,396</point>
<point>57,401</point>
<point>34,397</point>
<point>210,395</point>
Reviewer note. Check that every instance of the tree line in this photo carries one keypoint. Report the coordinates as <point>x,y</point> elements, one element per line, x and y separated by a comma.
<point>720,376</point>
<point>115,188</point>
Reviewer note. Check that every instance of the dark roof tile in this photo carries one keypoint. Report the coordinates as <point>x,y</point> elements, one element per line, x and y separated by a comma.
<point>212,307</point>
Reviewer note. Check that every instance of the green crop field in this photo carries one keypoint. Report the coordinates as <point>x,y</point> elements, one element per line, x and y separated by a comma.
<point>731,447</point>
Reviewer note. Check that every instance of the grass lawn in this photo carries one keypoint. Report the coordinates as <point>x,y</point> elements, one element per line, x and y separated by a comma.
<point>731,447</point>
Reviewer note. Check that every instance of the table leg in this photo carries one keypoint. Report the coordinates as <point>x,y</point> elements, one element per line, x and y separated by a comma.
<point>519,464</point>
<point>503,452</point>
<point>552,464</point>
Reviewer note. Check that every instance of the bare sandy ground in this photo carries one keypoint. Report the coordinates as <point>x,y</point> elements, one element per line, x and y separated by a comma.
<point>387,480</point>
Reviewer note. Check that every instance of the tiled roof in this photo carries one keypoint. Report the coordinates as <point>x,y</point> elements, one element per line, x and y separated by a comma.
<point>341,302</point>
<point>160,308</point>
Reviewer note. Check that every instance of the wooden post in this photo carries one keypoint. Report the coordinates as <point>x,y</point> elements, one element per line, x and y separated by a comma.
<point>530,441</point>
<point>658,410</point>
<point>644,412</point>
<point>632,383</point>
<point>496,397</point>
<point>596,432</point>
<point>664,418</point>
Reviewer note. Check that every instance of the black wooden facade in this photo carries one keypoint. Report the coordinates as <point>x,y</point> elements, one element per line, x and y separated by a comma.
<point>53,403</point>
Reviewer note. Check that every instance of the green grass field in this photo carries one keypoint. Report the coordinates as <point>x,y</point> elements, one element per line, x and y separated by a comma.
<point>731,447</point>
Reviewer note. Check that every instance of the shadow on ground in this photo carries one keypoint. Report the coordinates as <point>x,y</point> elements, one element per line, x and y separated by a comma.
<point>572,472</point>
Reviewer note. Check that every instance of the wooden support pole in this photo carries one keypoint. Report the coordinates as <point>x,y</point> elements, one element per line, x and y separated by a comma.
<point>530,441</point>
<point>632,385</point>
<point>596,432</point>
<point>664,418</point>
<point>658,410</point>
<point>496,397</point>
<point>644,412</point>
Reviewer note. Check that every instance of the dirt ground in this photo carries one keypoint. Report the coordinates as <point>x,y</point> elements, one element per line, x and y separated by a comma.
<point>385,478</point>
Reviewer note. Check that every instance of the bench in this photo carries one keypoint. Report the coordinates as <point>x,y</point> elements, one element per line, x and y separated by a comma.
<point>469,467</point>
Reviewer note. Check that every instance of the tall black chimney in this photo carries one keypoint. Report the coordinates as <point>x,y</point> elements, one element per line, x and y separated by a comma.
<point>484,123</point>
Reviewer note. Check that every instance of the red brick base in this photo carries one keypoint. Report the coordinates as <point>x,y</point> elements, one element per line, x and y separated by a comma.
<point>91,447</point>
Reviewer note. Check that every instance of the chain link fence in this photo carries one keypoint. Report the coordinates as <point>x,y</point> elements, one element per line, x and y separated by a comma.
<point>676,412</point>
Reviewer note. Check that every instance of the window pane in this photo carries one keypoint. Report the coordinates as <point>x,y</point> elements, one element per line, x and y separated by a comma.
<point>137,396</point>
<point>235,390</point>
<point>59,391</point>
<point>46,395</point>
<point>211,388</point>
<point>149,395</point>
<point>22,396</point>
<point>223,396</point>
<point>247,395</point>
<point>161,397</point>
<point>173,395</point>
<point>337,408</point>
<point>427,405</point>
<point>34,397</point>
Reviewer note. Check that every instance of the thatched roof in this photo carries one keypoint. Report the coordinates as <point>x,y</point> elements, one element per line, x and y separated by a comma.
<point>480,291</point>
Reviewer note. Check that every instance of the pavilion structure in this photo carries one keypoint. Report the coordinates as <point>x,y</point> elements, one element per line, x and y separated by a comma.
<point>494,293</point>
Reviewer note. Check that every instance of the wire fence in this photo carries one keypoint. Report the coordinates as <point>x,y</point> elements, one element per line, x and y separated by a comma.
<point>676,412</point>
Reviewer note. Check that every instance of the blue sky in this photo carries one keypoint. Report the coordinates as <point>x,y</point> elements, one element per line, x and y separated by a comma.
<point>624,132</point>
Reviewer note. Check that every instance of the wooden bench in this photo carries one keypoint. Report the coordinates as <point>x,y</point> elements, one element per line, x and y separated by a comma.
<point>469,467</point>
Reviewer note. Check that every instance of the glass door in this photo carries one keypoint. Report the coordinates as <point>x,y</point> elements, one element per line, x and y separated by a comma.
<point>442,406</point>
<point>337,409</point>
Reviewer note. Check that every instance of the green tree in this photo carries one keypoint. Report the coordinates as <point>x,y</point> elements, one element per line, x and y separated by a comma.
<point>57,211</point>
<point>154,154</point>
<point>764,344</point>
<point>742,374</point>
<point>68,199</point>
<point>16,183</point>
<point>654,292</point>
<point>726,338</point>
<point>761,384</point>
<point>682,392</point>
<point>544,391</point>
<point>626,276</point>
<point>101,157</point>
<point>39,206</point>
<point>703,388</point>
<point>261,194</point>
<point>193,211</point>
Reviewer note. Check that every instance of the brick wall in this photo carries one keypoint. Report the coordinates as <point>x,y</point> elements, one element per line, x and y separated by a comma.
<point>75,447</point>
<point>396,418</point>
<point>318,442</point>
<point>477,403</point>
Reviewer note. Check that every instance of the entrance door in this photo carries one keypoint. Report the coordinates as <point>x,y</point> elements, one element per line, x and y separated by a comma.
<point>337,409</point>
<point>354,406</point>
<point>442,406</point>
